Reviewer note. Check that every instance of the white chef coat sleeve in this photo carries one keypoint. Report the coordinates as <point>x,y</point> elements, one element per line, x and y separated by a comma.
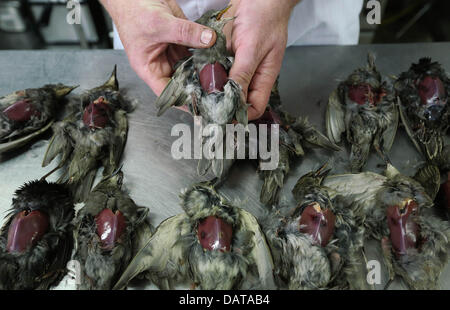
<point>313,22</point>
<point>320,22</point>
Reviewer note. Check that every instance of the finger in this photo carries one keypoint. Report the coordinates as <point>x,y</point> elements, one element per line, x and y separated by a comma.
<point>260,89</point>
<point>175,8</point>
<point>184,32</point>
<point>157,85</point>
<point>245,63</point>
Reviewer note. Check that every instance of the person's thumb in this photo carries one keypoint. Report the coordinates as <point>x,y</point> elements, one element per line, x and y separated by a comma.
<point>184,32</point>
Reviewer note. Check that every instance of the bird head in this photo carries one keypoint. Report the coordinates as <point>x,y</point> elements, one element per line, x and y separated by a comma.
<point>216,21</point>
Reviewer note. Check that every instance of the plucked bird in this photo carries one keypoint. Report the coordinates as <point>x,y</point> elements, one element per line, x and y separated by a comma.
<point>315,244</point>
<point>36,240</point>
<point>25,114</point>
<point>424,109</point>
<point>93,136</point>
<point>106,233</point>
<point>397,211</point>
<point>202,83</point>
<point>363,107</point>
<point>212,245</point>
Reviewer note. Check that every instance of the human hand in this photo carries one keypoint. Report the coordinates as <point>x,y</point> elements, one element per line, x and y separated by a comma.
<point>258,40</point>
<point>155,35</point>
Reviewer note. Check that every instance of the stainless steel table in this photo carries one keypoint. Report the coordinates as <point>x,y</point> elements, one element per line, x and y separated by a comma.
<point>152,177</point>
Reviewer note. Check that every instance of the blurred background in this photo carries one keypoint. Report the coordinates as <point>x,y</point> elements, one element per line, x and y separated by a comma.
<point>41,24</point>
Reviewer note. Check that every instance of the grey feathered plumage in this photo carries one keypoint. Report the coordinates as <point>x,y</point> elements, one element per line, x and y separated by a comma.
<point>371,122</point>
<point>426,124</point>
<point>301,263</point>
<point>43,264</point>
<point>42,105</point>
<point>370,194</point>
<point>101,267</point>
<point>174,255</point>
<point>82,149</point>
<point>219,107</point>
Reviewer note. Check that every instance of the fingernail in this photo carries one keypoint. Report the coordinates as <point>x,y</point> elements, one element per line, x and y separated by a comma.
<point>206,36</point>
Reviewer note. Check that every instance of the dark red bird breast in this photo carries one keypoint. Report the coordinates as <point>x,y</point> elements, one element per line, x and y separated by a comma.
<point>318,223</point>
<point>21,111</point>
<point>363,93</point>
<point>215,234</point>
<point>431,90</point>
<point>404,231</point>
<point>110,227</point>
<point>26,229</point>
<point>96,114</point>
<point>213,78</point>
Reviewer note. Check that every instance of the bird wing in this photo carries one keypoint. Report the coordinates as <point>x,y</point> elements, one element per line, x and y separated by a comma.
<point>430,178</point>
<point>57,265</point>
<point>391,129</point>
<point>120,138</point>
<point>160,254</point>
<point>238,101</point>
<point>60,142</point>
<point>80,186</point>
<point>408,126</point>
<point>260,251</point>
<point>8,146</point>
<point>335,115</point>
<point>274,179</point>
<point>312,136</point>
<point>361,189</point>
<point>175,93</point>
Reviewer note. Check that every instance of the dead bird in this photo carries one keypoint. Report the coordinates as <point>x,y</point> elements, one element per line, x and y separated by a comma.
<point>91,137</point>
<point>424,110</point>
<point>214,245</point>
<point>364,108</point>
<point>36,240</point>
<point>315,243</point>
<point>295,134</point>
<point>105,230</point>
<point>201,82</point>
<point>397,211</point>
<point>25,114</point>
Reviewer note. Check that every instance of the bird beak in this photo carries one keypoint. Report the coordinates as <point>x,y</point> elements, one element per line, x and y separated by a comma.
<point>316,207</point>
<point>403,206</point>
<point>219,16</point>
